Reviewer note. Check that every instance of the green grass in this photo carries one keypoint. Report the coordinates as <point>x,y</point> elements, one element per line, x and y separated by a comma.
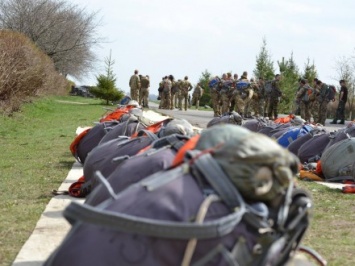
<point>35,159</point>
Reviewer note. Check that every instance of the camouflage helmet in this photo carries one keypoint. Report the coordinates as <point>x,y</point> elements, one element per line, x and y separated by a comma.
<point>259,167</point>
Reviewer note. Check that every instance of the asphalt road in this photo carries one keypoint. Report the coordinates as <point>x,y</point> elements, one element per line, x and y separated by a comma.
<point>201,118</point>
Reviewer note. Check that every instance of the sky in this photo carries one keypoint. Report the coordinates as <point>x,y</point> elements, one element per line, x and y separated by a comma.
<point>187,37</point>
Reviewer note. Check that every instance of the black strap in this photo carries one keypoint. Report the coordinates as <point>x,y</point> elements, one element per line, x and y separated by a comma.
<point>150,227</point>
<point>220,182</point>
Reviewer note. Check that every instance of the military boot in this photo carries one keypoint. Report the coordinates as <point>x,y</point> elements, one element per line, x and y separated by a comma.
<point>333,122</point>
<point>341,122</point>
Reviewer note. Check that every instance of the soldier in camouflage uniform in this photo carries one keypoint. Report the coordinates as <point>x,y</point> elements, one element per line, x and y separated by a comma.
<point>161,88</point>
<point>232,93</point>
<point>226,86</point>
<point>178,93</point>
<point>322,102</point>
<point>215,98</point>
<point>303,100</point>
<point>196,95</point>
<point>134,84</point>
<point>274,97</point>
<point>174,94</point>
<point>185,88</point>
<point>144,91</point>
<point>260,102</point>
<point>167,92</point>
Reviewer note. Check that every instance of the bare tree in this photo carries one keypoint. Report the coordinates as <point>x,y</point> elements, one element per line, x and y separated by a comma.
<point>65,32</point>
<point>345,67</point>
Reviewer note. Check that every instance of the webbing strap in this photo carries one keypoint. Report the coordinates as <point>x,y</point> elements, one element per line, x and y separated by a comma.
<point>149,134</point>
<point>213,173</point>
<point>150,227</point>
<point>172,140</point>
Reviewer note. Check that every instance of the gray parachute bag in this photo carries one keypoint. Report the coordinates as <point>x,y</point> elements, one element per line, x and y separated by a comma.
<point>337,160</point>
<point>229,118</point>
<point>232,202</point>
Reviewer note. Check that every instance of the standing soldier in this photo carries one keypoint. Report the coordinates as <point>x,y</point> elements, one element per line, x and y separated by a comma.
<point>185,88</point>
<point>144,91</point>
<point>178,93</point>
<point>274,97</point>
<point>160,90</point>
<point>323,101</point>
<point>343,97</point>
<point>215,96</point>
<point>174,94</point>
<point>232,93</point>
<point>303,99</point>
<point>260,102</point>
<point>226,87</point>
<point>134,84</point>
<point>167,92</point>
<point>197,94</point>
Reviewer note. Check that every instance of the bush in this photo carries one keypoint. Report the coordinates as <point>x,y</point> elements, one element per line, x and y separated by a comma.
<point>25,72</point>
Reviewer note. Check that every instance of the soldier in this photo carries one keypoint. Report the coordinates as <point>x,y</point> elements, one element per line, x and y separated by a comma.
<point>302,98</point>
<point>215,96</point>
<point>178,93</point>
<point>232,93</point>
<point>343,97</point>
<point>134,84</point>
<point>252,97</point>
<point>160,90</point>
<point>167,92</point>
<point>274,97</point>
<point>185,88</point>
<point>226,87</point>
<point>197,94</point>
<point>174,94</point>
<point>322,102</point>
<point>144,91</point>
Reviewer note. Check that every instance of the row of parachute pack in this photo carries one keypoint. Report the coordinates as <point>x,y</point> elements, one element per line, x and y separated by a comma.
<point>163,194</point>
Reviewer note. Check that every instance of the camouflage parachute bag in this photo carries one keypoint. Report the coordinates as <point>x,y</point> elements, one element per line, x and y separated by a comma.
<point>232,201</point>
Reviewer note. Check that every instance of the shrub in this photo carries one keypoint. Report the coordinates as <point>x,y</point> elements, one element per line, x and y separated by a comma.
<point>25,72</point>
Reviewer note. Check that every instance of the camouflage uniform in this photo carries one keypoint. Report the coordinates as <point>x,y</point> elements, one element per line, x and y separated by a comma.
<point>323,104</point>
<point>161,88</point>
<point>185,88</point>
<point>215,98</point>
<point>134,84</point>
<point>226,87</point>
<point>174,94</point>
<point>166,94</point>
<point>304,105</point>
<point>251,99</point>
<point>144,92</point>
<point>273,99</point>
<point>196,95</point>
<point>314,106</point>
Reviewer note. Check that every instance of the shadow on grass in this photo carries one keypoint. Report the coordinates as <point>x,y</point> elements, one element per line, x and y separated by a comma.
<point>66,164</point>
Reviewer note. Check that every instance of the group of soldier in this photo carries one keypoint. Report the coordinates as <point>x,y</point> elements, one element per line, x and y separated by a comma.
<point>260,98</point>
<point>245,96</point>
<point>175,94</point>
<point>139,85</point>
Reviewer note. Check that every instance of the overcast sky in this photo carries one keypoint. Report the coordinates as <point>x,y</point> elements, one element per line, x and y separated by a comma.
<point>186,37</point>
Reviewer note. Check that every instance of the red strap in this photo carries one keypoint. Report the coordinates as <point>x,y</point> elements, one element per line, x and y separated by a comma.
<point>75,188</point>
<point>189,145</point>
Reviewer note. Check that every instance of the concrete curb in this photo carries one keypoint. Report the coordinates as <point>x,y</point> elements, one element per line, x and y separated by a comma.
<point>51,228</point>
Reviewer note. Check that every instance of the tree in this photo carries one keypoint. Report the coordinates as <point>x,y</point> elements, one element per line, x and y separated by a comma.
<point>65,32</point>
<point>264,65</point>
<point>203,80</point>
<point>310,72</point>
<point>289,83</point>
<point>106,84</point>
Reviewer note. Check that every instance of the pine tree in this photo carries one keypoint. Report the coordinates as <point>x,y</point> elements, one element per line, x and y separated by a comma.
<point>264,65</point>
<point>310,72</point>
<point>203,80</point>
<point>289,83</point>
<point>106,84</point>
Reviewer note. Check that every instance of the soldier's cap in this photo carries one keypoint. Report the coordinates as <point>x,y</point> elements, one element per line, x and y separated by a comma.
<point>186,77</point>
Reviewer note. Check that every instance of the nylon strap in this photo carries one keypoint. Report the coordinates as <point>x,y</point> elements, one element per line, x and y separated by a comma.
<point>213,173</point>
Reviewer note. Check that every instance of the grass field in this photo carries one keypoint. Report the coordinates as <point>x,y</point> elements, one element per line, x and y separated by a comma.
<point>35,159</point>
